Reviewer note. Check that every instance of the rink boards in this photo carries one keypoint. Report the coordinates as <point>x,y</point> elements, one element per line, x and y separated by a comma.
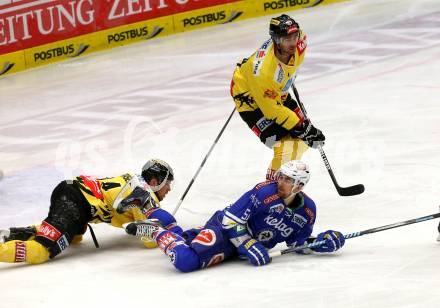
<point>39,32</point>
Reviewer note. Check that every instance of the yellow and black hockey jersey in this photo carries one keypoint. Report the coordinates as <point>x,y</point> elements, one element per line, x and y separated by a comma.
<point>261,82</point>
<point>101,195</point>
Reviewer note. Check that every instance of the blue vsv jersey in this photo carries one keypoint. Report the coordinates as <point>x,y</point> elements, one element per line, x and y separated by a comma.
<point>264,216</point>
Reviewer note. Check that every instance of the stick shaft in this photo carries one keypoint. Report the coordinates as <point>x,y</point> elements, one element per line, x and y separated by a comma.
<point>342,191</point>
<point>359,233</point>
<point>203,162</point>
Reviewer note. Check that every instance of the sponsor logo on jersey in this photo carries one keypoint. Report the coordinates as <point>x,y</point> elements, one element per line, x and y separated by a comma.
<point>6,68</point>
<point>266,44</point>
<point>282,4</point>
<point>271,199</point>
<point>67,50</point>
<point>257,65</point>
<point>20,252</point>
<point>279,225</point>
<point>299,220</point>
<point>265,236</point>
<point>62,242</point>
<point>206,237</point>
<point>310,213</point>
<point>269,93</point>
<point>259,56</point>
<point>288,85</point>
<point>263,123</point>
<point>279,74</point>
<point>48,231</point>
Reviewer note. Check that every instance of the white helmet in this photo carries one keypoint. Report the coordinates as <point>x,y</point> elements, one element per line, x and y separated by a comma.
<point>297,170</point>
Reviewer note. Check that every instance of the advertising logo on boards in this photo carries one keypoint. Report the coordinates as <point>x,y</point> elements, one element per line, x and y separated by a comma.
<point>211,17</point>
<point>285,4</point>
<point>67,50</point>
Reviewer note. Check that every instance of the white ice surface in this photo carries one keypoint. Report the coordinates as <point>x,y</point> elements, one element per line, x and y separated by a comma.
<point>371,82</point>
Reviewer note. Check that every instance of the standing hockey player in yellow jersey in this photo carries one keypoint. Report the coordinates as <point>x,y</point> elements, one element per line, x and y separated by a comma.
<point>260,86</point>
<point>75,203</point>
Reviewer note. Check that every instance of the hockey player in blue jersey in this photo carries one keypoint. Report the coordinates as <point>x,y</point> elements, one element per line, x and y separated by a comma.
<point>270,213</point>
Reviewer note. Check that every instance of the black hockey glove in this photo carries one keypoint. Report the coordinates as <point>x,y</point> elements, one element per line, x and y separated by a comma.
<point>308,133</point>
<point>139,198</point>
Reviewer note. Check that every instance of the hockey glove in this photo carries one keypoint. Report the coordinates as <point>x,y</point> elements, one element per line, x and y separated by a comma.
<point>333,241</point>
<point>139,198</point>
<point>254,251</point>
<point>308,133</point>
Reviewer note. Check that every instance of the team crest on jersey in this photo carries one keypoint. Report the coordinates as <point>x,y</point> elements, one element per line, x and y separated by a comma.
<point>276,208</point>
<point>205,237</point>
<point>265,236</point>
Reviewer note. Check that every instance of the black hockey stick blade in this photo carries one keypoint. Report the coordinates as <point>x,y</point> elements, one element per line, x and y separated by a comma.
<point>342,191</point>
<point>351,190</point>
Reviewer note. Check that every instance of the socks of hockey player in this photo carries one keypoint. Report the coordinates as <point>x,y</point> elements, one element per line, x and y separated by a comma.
<point>30,252</point>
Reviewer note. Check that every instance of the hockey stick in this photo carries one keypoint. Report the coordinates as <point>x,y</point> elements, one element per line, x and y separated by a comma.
<point>357,234</point>
<point>342,191</point>
<point>203,162</point>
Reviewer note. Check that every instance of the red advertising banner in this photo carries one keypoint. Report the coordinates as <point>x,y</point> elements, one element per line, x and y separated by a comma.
<point>30,23</point>
<point>120,12</point>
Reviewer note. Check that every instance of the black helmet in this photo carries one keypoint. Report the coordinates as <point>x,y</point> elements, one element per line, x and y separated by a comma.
<point>158,169</point>
<point>282,26</point>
